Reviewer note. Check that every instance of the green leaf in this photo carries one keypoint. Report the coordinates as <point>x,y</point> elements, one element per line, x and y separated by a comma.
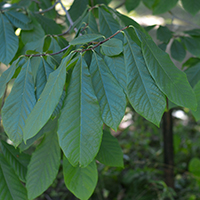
<point>32,35</point>
<point>143,93</point>
<point>191,62</point>
<point>80,181</point>
<point>116,66</point>
<point>192,45</point>
<point>170,80</point>
<point>194,166</point>
<point>85,39</point>
<point>131,4</point>
<point>193,74</point>
<point>192,6</point>
<point>48,127</point>
<point>149,3</point>
<point>19,20</point>
<point>164,34</point>
<point>6,76</point>
<point>177,51</point>
<point>80,124</point>
<point>49,25</point>
<point>163,6</point>
<point>47,101</point>
<point>108,25</point>
<point>112,47</point>
<point>10,187</point>
<point>193,32</point>
<point>19,104</point>
<point>110,95</point>
<point>8,40</point>
<point>92,24</point>
<point>110,153</point>
<point>44,165</point>
<point>197,93</point>
<point>17,160</point>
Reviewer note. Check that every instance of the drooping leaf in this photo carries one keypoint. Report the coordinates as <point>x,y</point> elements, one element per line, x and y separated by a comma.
<point>112,47</point>
<point>85,39</point>
<point>10,187</point>
<point>193,74</point>
<point>19,104</point>
<point>108,25</point>
<point>196,113</point>
<point>110,152</point>
<point>92,24</point>
<point>163,6</point>
<point>80,181</point>
<point>8,40</point>
<point>19,20</point>
<point>49,25</point>
<point>6,76</point>
<point>164,34</point>
<point>170,80</point>
<point>60,104</point>
<point>44,165</point>
<point>34,34</point>
<point>143,93</point>
<point>177,51</point>
<point>80,124</point>
<point>47,101</point>
<point>192,6</point>
<point>131,4</point>
<point>116,66</point>
<point>110,95</point>
<point>17,160</point>
<point>192,45</point>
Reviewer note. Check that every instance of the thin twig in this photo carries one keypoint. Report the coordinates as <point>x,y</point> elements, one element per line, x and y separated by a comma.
<point>101,42</point>
<point>184,20</point>
<point>61,34</point>
<point>46,54</point>
<point>48,9</point>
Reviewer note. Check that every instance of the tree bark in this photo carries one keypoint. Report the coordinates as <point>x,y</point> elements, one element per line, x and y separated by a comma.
<point>168,148</point>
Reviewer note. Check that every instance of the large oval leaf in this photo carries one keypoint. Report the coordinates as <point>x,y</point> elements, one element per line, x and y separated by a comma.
<point>80,124</point>
<point>19,104</point>
<point>80,181</point>
<point>8,40</point>
<point>167,76</point>
<point>110,94</point>
<point>44,165</point>
<point>143,93</point>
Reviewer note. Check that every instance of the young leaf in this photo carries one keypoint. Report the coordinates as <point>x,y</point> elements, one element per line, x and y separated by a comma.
<point>85,39</point>
<point>131,4</point>
<point>8,40</point>
<point>143,93</point>
<point>116,66</point>
<point>80,124</point>
<point>44,165</point>
<point>193,74</point>
<point>163,6</point>
<point>10,187</point>
<point>6,76</point>
<point>19,104</point>
<point>192,6</point>
<point>19,20</point>
<point>80,181</point>
<point>110,153</point>
<point>197,93</point>
<point>110,95</point>
<point>167,76</point>
<point>112,47</point>
<point>47,101</point>
<point>17,160</point>
<point>177,51</point>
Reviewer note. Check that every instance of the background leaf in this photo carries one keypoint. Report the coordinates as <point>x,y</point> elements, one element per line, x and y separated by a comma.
<point>164,34</point>
<point>80,181</point>
<point>163,6</point>
<point>110,153</point>
<point>192,6</point>
<point>177,51</point>
<point>80,124</point>
<point>197,93</point>
<point>131,4</point>
<point>44,165</point>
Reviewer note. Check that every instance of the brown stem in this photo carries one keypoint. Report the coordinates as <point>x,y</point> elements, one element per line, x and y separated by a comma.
<point>48,9</point>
